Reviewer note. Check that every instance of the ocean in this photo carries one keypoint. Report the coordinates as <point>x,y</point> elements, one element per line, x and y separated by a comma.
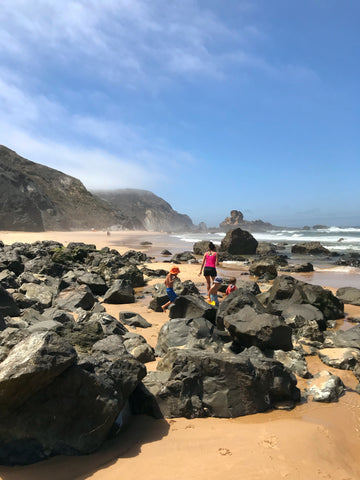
<point>342,240</point>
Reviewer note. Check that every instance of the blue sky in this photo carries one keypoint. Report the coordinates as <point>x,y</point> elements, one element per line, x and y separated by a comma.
<point>213,105</point>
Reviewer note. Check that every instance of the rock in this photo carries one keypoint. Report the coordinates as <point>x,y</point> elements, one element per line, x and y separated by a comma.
<point>343,358</point>
<point>324,387</point>
<point>260,267</point>
<point>8,279</point>
<point>201,247</point>
<point>8,305</point>
<point>165,252</point>
<point>293,360</point>
<point>181,288</point>
<point>349,295</point>
<point>343,339</point>
<point>94,281</point>
<point>183,257</point>
<point>42,293</point>
<point>134,320</point>
<point>193,383</point>
<point>306,322</point>
<point>131,274</point>
<point>287,291</point>
<point>187,333</point>
<point>239,242</point>
<point>120,292</point>
<point>74,298</point>
<point>234,303</point>
<point>250,328</point>
<point>310,248</point>
<point>301,268</point>
<point>160,272</point>
<point>264,248</point>
<point>137,346</point>
<point>192,306</point>
<point>31,365</point>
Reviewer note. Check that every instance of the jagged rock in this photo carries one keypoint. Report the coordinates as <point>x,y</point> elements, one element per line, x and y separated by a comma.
<point>183,257</point>
<point>239,242</point>
<point>8,279</point>
<point>234,303</point>
<point>31,365</point>
<point>264,265</point>
<point>343,358</point>
<point>120,292</point>
<point>349,295</point>
<point>8,305</point>
<point>343,339</point>
<point>310,248</point>
<point>137,346</point>
<point>324,387</point>
<point>74,298</point>
<point>264,248</point>
<point>201,247</point>
<point>250,328</point>
<point>74,413</point>
<point>192,306</point>
<point>94,281</point>
<point>134,320</point>
<point>159,272</point>
<point>301,268</point>
<point>294,360</point>
<point>194,383</point>
<point>305,321</point>
<point>287,290</point>
<point>165,252</point>
<point>187,333</point>
<point>42,293</point>
<point>131,274</point>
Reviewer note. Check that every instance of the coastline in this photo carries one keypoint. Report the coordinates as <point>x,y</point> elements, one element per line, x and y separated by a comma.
<point>312,441</point>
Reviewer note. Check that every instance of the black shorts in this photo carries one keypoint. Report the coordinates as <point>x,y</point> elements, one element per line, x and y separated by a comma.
<point>210,272</point>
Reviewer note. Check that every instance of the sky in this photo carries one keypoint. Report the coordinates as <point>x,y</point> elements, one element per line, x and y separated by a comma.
<point>213,105</point>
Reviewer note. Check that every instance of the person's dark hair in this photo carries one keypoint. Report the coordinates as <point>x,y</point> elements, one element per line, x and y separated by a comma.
<point>232,281</point>
<point>212,247</point>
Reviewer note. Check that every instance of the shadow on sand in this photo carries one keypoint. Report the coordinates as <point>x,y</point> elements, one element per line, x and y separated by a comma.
<point>128,443</point>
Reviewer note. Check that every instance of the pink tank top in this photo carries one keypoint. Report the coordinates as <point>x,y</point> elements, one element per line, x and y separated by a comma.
<point>210,260</point>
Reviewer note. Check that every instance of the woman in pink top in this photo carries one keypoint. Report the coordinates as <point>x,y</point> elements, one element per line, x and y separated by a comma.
<point>209,264</point>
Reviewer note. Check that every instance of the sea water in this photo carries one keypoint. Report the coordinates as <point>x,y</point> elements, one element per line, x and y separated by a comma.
<point>342,240</point>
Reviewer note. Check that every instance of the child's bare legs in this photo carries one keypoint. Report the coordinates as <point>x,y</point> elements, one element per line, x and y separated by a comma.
<point>164,307</point>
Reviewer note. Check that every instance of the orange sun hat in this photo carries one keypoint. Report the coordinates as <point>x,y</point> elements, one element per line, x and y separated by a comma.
<point>175,270</point>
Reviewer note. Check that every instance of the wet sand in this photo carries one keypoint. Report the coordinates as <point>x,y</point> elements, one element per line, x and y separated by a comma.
<point>313,441</point>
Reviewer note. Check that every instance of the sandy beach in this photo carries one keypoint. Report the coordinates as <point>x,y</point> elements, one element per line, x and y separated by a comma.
<point>313,441</point>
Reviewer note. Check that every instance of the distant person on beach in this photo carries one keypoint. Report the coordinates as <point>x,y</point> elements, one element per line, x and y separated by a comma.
<point>169,283</point>
<point>209,264</point>
<point>232,286</point>
<point>213,292</point>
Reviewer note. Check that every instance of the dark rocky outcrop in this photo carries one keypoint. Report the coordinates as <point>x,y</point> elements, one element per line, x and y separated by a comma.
<point>310,248</point>
<point>236,220</point>
<point>287,291</point>
<point>193,383</point>
<point>238,242</point>
<point>34,197</point>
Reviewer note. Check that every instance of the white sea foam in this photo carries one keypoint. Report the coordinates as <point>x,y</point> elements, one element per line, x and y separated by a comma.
<point>337,269</point>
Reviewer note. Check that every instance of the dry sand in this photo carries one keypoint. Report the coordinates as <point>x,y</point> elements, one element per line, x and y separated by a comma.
<point>313,441</point>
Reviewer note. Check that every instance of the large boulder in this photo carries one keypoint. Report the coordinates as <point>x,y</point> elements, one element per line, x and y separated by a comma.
<point>187,333</point>
<point>249,328</point>
<point>192,306</point>
<point>287,291</point>
<point>59,400</point>
<point>239,242</point>
<point>193,383</point>
<point>120,292</point>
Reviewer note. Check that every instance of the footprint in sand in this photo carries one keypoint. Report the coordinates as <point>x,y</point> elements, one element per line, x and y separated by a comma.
<point>269,442</point>
<point>224,451</point>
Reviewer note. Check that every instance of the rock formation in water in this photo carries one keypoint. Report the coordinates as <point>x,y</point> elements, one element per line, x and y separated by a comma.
<point>34,197</point>
<point>149,210</point>
<point>236,220</point>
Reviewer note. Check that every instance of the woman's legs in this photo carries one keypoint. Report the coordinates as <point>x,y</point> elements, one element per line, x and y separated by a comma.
<point>208,282</point>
